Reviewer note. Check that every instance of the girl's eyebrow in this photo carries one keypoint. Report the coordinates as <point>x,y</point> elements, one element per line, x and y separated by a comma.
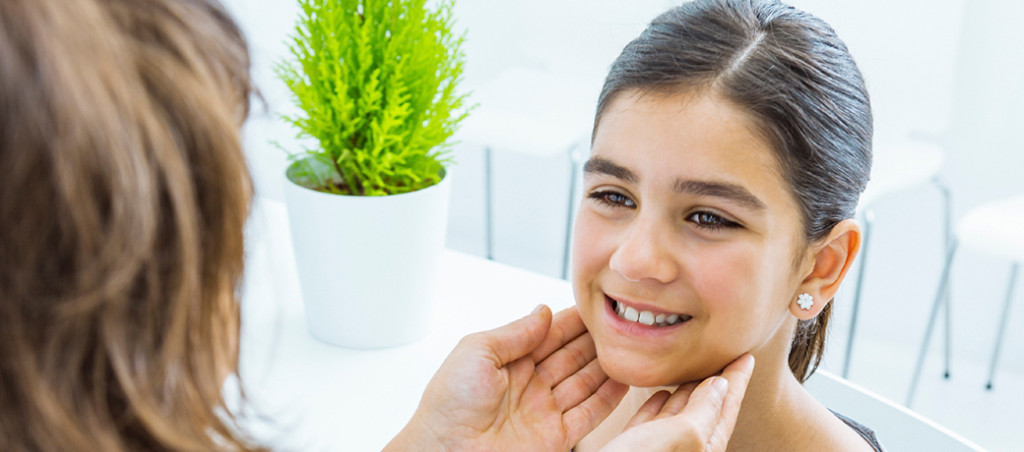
<point>725,190</point>
<point>598,165</point>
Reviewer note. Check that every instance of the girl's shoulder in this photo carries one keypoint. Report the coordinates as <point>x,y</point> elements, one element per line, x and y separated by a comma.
<point>836,432</point>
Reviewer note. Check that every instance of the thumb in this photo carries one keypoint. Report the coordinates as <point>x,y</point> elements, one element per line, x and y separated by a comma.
<point>715,404</point>
<point>517,339</point>
<point>704,407</point>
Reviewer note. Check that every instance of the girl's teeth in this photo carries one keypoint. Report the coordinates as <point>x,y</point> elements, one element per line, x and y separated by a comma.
<point>632,314</point>
<point>646,317</point>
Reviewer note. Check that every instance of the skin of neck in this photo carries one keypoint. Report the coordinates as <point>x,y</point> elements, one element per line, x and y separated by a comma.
<point>779,414</point>
<point>773,396</point>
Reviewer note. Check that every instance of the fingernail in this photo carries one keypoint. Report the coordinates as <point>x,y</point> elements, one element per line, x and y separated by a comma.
<point>537,309</point>
<point>720,384</point>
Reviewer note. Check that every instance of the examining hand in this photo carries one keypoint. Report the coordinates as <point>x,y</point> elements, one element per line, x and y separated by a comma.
<point>532,385</point>
<point>694,418</point>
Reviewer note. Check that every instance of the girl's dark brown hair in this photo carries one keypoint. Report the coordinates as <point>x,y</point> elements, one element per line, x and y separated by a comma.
<point>123,195</point>
<point>795,78</point>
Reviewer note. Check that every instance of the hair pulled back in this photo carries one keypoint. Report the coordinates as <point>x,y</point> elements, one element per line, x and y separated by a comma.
<point>795,79</point>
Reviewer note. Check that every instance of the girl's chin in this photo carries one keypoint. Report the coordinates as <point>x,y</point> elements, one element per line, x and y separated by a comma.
<point>646,377</point>
<point>649,375</point>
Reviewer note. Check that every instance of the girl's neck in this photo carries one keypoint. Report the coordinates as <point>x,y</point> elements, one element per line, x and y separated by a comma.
<point>767,407</point>
<point>779,414</point>
<point>770,417</point>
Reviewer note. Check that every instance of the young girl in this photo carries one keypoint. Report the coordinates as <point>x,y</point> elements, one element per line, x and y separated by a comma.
<point>731,144</point>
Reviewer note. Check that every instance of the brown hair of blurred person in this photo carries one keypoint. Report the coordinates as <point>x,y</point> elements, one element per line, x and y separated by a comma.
<point>123,195</point>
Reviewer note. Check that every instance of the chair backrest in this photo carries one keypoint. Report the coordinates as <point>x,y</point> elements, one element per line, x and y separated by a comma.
<point>995,228</point>
<point>897,427</point>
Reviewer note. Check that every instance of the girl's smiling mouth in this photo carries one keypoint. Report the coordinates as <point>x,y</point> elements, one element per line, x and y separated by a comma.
<point>641,316</point>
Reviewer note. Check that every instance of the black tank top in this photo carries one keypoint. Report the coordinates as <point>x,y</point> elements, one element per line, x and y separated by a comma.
<point>864,432</point>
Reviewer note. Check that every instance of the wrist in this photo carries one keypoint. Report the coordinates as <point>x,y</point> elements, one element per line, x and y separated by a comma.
<point>417,435</point>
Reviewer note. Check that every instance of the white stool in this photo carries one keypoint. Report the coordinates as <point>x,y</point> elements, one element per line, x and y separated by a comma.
<point>995,229</point>
<point>896,166</point>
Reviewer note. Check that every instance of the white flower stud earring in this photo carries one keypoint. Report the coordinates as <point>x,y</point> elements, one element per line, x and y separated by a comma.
<point>805,300</point>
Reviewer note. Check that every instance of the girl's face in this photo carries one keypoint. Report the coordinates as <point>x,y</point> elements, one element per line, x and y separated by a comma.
<point>685,246</point>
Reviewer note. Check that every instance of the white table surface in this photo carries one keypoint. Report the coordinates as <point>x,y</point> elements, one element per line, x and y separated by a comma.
<point>325,398</point>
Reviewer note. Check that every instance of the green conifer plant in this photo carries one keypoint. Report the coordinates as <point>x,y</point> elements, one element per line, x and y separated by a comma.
<point>376,82</point>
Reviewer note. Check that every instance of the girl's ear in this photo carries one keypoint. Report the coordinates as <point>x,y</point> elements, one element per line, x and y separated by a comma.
<point>832,257</point>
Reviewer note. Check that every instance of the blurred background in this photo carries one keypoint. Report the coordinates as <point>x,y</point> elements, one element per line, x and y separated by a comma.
<point>944,75</point>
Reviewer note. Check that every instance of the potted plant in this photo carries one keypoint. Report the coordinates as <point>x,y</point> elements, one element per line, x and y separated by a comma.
<point>376,83</point>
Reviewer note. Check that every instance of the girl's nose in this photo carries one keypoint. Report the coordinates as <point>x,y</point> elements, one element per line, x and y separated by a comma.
<point>642,256</point>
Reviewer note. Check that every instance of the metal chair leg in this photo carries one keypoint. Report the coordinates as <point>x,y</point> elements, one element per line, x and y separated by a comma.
<point>1002,325</point>
<point>868,221</point>
<point>488,204</point>
<point>939,298</point>
<point>574,158</point>
<point>948,240</point>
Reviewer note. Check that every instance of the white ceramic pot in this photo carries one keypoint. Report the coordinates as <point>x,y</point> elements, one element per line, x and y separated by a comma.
<point>368,264</point>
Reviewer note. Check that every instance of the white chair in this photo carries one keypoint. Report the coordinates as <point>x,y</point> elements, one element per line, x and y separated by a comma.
<point>995,229</point>
<point>898,165</point>
<point>897,428</point>
<point>530,111</point>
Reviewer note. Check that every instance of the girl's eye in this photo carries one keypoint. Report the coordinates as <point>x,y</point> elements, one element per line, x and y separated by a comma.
<point>710,221</point>
<point>613,199</point>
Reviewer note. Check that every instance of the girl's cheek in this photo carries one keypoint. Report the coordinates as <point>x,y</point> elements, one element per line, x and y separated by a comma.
<point>592,240</point>
<point>723,277</point>
<point>580,235</point>
<point>586,262</point>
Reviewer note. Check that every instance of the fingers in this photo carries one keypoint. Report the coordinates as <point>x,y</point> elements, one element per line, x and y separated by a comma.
<point>515,340</point>
<point>565,326</point>
<point>710,407</point>
<point>704,410</point>
<point>715,403</point>
<point>659,425</point>
<point>581,385</point>
<point>585,417</point>
<point>662,404</point>
<point>649,410</point>
<point>567,360</point>
<point>738,375</point>
<point>706,419</point>
<point>677,402</point>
